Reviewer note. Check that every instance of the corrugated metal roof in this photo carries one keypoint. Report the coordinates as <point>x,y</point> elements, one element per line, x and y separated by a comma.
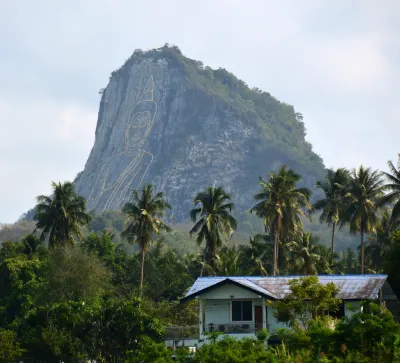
<point>351,287</point>
<point>204,282</point>
<point>253,285</point>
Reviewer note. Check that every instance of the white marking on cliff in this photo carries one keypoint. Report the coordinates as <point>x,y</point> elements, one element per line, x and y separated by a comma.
<point>140,123</point>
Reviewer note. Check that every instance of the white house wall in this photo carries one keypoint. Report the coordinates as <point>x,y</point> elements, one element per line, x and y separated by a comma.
<point>272,321</point>
<point>217,311</point>
<point>227,291</point>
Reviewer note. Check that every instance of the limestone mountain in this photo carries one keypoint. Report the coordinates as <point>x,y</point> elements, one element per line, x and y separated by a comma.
<point>170,121</point>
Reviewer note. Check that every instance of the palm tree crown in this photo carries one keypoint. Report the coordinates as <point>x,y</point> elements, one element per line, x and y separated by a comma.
<point>216,222</point>
<point>60,216</point>
<point>363,200</point>
<point>393,187</point>
<point>334,187</point>
<point>280,205</point>
<point>143,221</point>
<point>308,255</point>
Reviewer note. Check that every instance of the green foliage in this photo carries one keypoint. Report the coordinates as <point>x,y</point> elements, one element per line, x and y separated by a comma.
<point>74,274</point>
<point>307,301</point>
<point>21,280</point>
<point>231,350</point>
<point>150,352</point>
<point>373,332</point>
<point>9,346</point>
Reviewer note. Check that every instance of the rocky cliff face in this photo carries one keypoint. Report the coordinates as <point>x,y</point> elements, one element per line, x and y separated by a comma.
<point>165,119</point>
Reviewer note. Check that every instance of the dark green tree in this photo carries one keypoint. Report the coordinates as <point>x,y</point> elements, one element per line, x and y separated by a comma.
<point>216,223</point>
<point>280,205</point>
<point>334,187</point>
<point>363,201</point>
<point>61,215</point>
<point>373,332</point>
<point>308,300</point>
<point>144,220</point>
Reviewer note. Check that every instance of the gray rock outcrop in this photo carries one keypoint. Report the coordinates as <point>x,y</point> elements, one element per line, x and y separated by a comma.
<point>165,119</point>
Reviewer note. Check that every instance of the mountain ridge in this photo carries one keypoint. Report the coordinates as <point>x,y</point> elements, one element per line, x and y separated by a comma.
<point>167,119</point>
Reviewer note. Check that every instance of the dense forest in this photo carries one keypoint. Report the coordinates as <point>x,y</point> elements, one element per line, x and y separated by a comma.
<point>72,289</point>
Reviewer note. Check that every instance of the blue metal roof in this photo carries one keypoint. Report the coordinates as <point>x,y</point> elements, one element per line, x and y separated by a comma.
<point>351,287</point>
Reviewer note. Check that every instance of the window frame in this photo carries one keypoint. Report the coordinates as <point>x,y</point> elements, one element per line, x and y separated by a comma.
<point>241,321</point>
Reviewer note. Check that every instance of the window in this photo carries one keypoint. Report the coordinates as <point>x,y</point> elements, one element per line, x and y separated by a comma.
<point>242,311</point>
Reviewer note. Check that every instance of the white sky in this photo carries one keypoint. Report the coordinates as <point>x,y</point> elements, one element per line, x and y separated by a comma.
<point>336,61</point>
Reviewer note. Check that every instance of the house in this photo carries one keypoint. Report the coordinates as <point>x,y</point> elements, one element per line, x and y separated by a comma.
<point>237,305</point>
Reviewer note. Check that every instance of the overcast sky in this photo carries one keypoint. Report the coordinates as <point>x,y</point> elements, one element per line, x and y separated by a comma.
<point>336,61</point>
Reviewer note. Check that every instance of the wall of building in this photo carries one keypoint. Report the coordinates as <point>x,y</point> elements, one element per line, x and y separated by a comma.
<point>227,291</point>
<point>272,321</point>
<point>217,311</point>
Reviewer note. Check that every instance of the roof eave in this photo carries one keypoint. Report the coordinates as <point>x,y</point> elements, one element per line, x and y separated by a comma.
<point>223,282</point>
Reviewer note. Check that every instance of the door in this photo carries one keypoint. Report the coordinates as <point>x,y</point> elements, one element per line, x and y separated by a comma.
<point>258,317</point>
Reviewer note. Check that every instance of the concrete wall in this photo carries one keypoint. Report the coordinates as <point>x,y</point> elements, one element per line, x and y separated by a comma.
<point>272,321</point>
<point>217,311</point>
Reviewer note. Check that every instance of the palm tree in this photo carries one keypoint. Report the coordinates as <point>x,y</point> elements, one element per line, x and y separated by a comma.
<point>228,262</point>
<point>31,245</point>
<point>256,254</point>
<point>61,215</point>
<point>216,222</point>
<point>348,262</point>
<point>378,246</point>
<point>280,205</point>
<point>363,200</point>
<point>393,186</point>
<point>334,188</point>
<point>307,255</point>
<point>143,220</point>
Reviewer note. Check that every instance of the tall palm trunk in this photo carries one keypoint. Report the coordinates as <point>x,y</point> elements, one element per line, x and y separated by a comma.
<point>333,242</point>
<point>141,272</point>
<point>276,244</point>
<point>362,248</point>
<point>204,260</point>
<point>275,253</point>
